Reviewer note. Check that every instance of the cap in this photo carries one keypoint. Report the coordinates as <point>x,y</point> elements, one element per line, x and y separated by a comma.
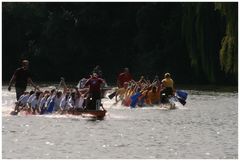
<point>25,61</point>
<point>167,75</point>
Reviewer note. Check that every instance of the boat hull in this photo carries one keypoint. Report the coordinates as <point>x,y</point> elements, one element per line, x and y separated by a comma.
<point>99,114</point>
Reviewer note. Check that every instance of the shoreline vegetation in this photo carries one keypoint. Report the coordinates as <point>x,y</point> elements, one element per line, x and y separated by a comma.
<point>194,41</point>
<point>202,87</point>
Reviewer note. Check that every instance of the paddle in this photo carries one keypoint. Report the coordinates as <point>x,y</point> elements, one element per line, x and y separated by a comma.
<point>112,95</point>
<point>103,107</point>
<point>181,96</point>
<point>183,102</point>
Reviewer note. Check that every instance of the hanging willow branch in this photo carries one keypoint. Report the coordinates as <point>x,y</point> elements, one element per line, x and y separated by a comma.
<point>200,30</point>
<point>229,48</point>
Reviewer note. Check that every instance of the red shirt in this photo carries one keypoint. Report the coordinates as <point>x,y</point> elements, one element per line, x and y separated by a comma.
<point>124,77</point>
<point>95,84</point>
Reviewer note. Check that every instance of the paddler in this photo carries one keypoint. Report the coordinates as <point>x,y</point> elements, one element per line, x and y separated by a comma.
<point>167,86</point>
<point>43,101</point>
<point>36,102</point>
<point>75,102</point>
<point>153,96</point>
<point>22,102</point>
<point>121,92</point>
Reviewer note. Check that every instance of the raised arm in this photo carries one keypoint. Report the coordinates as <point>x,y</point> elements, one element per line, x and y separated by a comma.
<point>64,85</point>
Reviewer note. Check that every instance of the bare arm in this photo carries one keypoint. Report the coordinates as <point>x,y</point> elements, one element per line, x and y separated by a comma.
<point>31,82</point>
<point>11,82</point>
<point>64,86</point>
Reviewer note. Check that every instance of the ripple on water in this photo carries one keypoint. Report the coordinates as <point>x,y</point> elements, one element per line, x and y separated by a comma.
<point>205,128</point>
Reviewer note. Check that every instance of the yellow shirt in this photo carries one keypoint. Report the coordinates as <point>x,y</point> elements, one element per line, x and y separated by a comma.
<point>121,91</point>
<point>167,82</point>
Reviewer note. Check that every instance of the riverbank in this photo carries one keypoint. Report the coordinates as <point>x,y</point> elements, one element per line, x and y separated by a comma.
<point>215,88</point>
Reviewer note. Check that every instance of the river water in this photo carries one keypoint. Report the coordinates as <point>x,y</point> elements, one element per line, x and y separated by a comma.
<point>205,128</point>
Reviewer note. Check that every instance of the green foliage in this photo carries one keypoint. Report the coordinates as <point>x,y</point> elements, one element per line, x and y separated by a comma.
<point>229,49</point>
<point>70,39</point>
<point>203,29</point>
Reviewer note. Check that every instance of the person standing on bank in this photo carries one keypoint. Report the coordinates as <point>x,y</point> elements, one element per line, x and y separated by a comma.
<point>21,77</point>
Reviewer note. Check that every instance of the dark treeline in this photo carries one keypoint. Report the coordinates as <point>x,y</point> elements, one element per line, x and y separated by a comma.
<point>196,42</point>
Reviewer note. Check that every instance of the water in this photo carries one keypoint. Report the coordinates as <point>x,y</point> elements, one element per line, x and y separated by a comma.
<point>206,128</point>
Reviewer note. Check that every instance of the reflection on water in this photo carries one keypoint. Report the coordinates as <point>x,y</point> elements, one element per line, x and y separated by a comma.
<point>205,128</point>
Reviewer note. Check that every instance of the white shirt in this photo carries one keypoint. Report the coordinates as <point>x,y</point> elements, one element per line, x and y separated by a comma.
<point>42,102</point>
<point>48,100</point>
<point>77,104</point>
<point>64,103</point>
<point>57,102</point>
<point>23,99</point>
<point>35,102</point>
<point>31,98</point>
<point>82,83</point>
